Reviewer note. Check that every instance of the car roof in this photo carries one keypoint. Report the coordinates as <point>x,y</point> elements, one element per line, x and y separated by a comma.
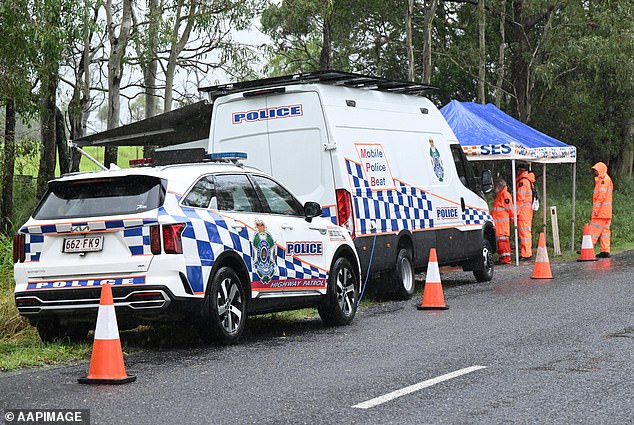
<point>179,176</point>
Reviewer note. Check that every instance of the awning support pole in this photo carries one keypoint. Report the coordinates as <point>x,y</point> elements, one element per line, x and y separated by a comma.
<point>574,199</point>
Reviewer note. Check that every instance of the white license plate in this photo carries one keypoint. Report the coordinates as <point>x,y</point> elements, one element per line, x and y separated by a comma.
<point>87,244</point>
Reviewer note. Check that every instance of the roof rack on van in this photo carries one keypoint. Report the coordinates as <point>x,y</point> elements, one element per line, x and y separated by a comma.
<point>337,78</point>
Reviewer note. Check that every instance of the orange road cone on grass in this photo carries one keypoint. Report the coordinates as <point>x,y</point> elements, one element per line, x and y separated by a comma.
<point>542,265</point>
<point>106,362</point>
<point>433,298</point>
<point>587,250</point>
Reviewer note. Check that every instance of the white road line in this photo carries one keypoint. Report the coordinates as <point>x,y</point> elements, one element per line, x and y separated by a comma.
<point>416,387</point>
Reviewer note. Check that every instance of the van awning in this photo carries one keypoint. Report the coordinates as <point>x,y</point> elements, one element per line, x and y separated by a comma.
<point>182,125</point>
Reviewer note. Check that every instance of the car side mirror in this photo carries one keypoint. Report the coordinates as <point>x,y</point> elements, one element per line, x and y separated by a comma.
<point>487,181</point>
<point>312,210</point>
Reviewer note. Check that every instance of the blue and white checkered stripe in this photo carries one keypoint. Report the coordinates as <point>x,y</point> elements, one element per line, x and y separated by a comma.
<point>33,247</point>
<point>207,234</point>
<point>136,234</point>
<point>91,225</point>
<point>474,216</point>
<point>138,240</point>
<point>329,213</point>
<point>292,268</point>
<point>404,207</point>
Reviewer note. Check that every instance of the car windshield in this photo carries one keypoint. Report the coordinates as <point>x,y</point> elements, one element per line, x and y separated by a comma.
<point>100,197</point>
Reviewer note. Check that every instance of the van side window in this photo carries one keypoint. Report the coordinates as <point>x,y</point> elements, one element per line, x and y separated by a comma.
<point>234,192</point>
<point>200,194</point>
<point>279,200</point>
<point>464,168</point>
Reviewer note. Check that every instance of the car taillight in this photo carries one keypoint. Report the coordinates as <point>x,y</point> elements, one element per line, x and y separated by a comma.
<point>19,254</point>
<point>345,216</point>
<point>172,238</point>
<point>155,240</point>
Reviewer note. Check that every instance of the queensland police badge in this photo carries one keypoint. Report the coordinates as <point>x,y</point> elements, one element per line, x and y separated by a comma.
<point>436,161</point>
<point>264,258</point>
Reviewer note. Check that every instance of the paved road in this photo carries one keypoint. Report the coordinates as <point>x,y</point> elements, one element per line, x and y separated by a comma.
<point>556,351</point>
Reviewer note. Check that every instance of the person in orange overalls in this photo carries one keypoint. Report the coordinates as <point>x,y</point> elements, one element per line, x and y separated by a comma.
<point>601,209</point>
<point>502,216</point>
<point>524,192</point>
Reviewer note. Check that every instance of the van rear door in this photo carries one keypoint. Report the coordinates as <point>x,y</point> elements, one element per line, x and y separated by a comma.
<point>283,134</point>
<point>241,125</point>
<point>299,157</point>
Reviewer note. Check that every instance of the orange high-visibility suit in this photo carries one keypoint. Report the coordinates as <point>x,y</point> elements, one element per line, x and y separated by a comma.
<point>601,208</point>
<point>502,216</point>
<point>524,192</point>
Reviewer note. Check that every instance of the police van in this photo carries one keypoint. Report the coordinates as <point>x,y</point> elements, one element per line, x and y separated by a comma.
<point>203,243</point>
<point>383,163</point>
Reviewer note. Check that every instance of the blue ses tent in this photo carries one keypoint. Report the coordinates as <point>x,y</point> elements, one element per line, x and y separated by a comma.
<point>488,134</point>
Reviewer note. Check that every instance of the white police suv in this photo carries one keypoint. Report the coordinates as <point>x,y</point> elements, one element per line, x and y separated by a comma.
<point>206,243</point>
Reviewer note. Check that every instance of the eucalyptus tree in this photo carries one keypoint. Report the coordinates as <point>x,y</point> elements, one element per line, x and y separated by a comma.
<point>17,60</point>
<point>118,27</point>
<point>587,87</point>
<point>54,27</point>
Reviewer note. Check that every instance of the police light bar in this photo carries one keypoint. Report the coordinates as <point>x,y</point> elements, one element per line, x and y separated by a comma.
<point>226,156</point>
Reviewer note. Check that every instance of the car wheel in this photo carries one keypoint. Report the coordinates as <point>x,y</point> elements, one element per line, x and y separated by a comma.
<point>340,306</point>
<point>404,282</point>
<point>225,309</point>
<point>483,271</point>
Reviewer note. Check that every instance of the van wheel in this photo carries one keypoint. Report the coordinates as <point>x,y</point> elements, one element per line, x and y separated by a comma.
<point>225,309</point>
<point>340,306</point>
<point>483,271</point>
<point>403,278</point>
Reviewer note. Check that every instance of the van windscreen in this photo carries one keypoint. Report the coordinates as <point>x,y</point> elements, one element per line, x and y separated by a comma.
<point>101,197</point>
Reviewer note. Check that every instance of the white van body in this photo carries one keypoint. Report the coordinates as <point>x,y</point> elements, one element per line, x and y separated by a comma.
<point>393,155</point>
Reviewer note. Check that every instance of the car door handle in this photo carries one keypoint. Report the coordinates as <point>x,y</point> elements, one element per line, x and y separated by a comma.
<point>237,227</point>
<point>287,226</point>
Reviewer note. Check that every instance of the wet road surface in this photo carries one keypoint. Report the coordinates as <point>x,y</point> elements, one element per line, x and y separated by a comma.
<point>534,351</point>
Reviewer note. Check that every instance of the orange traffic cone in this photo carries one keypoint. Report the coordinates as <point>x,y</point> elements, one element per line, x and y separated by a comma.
<point>587,250</point>
<point>542,265</point>
<point>433,298</point>
<point>106,362</point>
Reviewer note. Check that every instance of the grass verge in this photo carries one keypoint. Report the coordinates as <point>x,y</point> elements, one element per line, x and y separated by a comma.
<point>26,350</point>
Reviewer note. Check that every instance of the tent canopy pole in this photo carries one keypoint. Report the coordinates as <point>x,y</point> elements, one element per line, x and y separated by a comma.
<point>517,251</point>
<point>544,198</point>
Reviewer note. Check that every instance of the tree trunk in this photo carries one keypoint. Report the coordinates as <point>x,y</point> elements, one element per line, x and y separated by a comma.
<point>79,107</point>
<point>114,107</point>
<point>8,165</point>
<point>150,67</point>
<point>481,52</point>
<point>623,163</point>
<point>411,68</point>
<point>326,47</point>
<point>501,57</point>
<point>48,132</point>
<point>118,45</point>
<point>177,45</point>
<point>62,143</point>
<point>430,11</point>
<point>149,71</point>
